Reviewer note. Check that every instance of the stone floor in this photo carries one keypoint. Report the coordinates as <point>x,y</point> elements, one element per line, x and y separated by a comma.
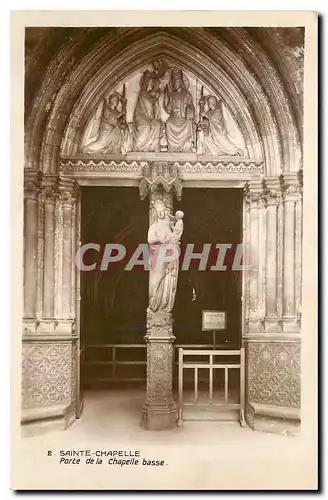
<point>200,455</point>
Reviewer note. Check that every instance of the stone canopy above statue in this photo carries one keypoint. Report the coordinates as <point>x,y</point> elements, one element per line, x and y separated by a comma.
<point>162,109</point>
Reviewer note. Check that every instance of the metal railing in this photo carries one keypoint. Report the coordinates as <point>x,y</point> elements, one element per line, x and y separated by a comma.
<point>211,365</point>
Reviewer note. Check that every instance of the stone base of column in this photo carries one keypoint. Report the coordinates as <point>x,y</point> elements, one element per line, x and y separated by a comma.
<point>273,419</point>
<point>254,326</point>
<point>272,324</point>
<point>157,417</point>
<point>290,324</point>
<point>159,410</point>
<point>36,421</point>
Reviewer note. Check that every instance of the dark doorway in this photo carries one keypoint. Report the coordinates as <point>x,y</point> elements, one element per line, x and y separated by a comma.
<point>212,216</point>
<point>113,301</point>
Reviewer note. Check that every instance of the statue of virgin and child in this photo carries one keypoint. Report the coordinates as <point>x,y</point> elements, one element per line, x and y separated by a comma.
<point>164,236</point>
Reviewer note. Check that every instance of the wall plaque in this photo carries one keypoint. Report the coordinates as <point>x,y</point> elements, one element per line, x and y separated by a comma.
<point>214,320</point>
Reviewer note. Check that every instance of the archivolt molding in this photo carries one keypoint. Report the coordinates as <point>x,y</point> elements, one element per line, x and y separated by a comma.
<point>268,76</point>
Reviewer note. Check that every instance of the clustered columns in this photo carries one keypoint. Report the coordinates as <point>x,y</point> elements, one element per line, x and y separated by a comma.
<point>50,244</point>
<point>160,181</point>
<point>273,237</point>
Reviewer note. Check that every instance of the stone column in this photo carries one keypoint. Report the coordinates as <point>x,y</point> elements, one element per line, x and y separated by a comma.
<point>273,201</point>
<point>31,190</point>
<point>65,249</point>
<point>298,250</point>
<point>159,410</point>
<point>49,195</point>
<point>256,250</point>
<point>291,198</point>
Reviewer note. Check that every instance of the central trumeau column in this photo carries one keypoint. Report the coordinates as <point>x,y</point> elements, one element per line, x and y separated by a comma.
<point>160,183</point>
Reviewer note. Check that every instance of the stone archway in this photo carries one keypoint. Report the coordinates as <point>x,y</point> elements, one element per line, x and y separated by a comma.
<point>233,64</point>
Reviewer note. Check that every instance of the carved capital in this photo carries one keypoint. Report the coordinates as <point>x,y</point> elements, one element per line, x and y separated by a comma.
<point>273,192</point>
<point>31,188</point>
<point>68,191</point>
<point>255,194</point>
<point>49,193</point>
<point>49,188</point>
<point>159,176</point>
<point>292,185</point>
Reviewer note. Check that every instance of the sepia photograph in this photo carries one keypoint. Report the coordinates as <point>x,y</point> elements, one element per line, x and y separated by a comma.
<point>163,241</point>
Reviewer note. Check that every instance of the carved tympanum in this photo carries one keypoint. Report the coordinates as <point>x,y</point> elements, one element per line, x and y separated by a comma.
<point>159,115</point>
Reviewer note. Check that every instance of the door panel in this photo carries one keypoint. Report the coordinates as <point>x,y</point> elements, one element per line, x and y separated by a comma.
<point>114,301</point>
<point>211,216</point>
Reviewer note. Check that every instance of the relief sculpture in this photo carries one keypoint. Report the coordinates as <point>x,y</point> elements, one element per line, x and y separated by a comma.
<point>178,104</point>
<point>106,130</point>
<point>146,118</point>
<point>213,133</point>
<point>160,116</point>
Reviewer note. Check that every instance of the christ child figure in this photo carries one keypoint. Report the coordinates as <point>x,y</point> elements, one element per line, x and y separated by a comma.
<point>176,221</point>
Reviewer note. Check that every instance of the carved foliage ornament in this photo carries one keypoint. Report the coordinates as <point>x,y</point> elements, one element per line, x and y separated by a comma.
<point>273,191</point>
<point>65,192</point>
<point>236,166</point>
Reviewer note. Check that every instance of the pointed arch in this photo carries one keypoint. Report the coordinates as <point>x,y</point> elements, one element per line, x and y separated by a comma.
<point>233,65</point>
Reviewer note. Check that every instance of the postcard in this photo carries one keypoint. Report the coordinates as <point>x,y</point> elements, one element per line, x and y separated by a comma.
<point>164,194</point>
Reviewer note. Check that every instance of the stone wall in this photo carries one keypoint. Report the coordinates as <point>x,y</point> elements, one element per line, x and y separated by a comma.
<point>273,373</point>
<point>48,373</point>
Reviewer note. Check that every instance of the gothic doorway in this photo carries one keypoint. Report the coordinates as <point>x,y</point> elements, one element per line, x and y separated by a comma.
<point>113,301</point>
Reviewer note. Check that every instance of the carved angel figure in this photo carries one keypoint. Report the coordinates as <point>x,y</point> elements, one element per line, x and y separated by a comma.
<point>215,137</point>
<point>178,104</point>
<point>105,132</point>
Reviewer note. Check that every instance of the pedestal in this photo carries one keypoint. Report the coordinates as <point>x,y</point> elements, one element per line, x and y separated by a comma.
<point>159,410</point>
